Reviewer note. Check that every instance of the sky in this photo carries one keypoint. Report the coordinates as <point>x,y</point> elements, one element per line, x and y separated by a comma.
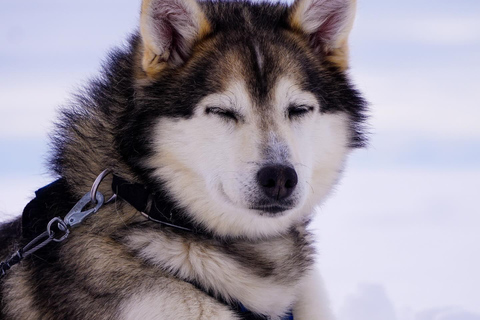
<point>399,237</point>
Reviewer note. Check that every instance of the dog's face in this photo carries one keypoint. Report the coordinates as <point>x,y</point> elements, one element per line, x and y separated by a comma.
<point>254,117</point>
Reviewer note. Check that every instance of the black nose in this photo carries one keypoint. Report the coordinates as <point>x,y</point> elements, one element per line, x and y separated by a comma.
<point>277,181</point>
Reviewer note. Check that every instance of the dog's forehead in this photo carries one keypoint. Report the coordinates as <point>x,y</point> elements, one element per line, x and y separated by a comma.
<point>260,76</point>
<point>264,63</point>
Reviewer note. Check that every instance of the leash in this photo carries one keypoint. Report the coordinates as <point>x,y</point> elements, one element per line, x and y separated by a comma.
<point>59,229</point>
<point>139,197</point>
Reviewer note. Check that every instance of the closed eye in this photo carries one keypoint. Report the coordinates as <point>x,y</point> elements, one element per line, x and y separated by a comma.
<point>227,114</point>
<point>298,111</point>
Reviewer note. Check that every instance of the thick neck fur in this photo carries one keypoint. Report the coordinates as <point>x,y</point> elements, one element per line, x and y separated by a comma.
<point>265,275</point>
<point>84,143</point>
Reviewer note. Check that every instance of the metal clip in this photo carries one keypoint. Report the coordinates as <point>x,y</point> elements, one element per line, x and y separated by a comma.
<point>76,215</point>
<point>94,197</point>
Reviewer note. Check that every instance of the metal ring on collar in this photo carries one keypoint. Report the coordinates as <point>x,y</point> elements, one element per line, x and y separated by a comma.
<point>96,184</point>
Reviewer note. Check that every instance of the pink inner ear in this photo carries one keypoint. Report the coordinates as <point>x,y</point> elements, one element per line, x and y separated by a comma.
<point>326,20</point>
<point>332,26</point>
<point>163,34</point>
<point>174,27</point>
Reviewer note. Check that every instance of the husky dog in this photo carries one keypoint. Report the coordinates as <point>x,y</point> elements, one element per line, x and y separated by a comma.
<point>233,120</point>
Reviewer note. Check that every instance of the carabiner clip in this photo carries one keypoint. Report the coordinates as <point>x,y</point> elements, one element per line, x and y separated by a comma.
<point>76,215</point>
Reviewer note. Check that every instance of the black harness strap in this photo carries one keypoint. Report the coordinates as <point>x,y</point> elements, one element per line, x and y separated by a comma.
<point>50,201</point>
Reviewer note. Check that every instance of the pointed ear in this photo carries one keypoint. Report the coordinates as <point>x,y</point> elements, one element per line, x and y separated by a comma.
<point>169,28</point>
<point>328,24</point>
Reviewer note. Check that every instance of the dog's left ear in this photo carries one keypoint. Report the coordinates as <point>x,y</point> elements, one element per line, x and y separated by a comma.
<point>169,29</point>
<point>327,24</point>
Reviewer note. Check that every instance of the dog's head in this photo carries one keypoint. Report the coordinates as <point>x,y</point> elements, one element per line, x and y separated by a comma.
<point>243,112</point>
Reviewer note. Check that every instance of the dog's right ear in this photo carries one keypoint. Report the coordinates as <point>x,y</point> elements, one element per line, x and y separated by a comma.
<point>169,28</point>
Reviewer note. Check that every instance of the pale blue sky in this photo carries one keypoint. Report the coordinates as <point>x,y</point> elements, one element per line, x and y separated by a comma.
<point>401,230</point>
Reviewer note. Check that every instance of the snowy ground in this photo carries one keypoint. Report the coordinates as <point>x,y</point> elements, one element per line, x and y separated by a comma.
<point>399,239</point>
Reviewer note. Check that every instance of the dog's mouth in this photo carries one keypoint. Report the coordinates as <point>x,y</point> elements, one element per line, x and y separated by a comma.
<point>264,207</point>
<point>271,209</point>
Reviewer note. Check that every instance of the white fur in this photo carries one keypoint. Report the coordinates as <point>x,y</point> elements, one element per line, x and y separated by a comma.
<point>312,303</point>
<point>259,57</point>
<point>209,164</point>
<point>174,300</point>
<point>217,271</point>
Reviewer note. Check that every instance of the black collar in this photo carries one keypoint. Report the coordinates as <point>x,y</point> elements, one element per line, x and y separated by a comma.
<point>155,206</point>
